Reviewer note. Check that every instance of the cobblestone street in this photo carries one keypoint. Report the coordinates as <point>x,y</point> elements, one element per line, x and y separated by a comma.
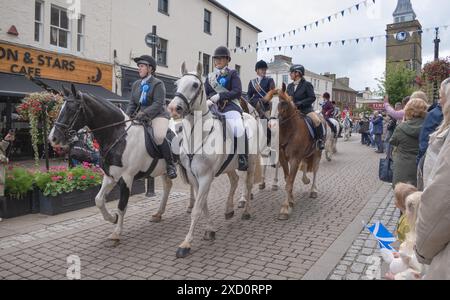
<point>323,239</point>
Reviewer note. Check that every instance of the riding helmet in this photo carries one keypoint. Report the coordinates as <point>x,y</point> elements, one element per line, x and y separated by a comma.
<point>222,51</point>
<point>261,65</point>
<point>298,68</point>
<point>146,60</point>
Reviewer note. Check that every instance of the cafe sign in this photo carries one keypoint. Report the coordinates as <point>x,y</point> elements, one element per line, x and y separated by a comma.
<point>51,65</point>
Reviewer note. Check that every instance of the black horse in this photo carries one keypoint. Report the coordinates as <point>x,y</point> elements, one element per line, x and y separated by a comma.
<point>124,156</point>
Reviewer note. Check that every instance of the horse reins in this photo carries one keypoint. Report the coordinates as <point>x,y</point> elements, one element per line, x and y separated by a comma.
<point>186,100</point>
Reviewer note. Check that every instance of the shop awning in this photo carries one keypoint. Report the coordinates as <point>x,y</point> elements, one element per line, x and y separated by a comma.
<point>98,91</point>
<point>16,85</point>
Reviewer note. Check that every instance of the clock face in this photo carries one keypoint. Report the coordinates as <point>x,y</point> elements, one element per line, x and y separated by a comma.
<point>401,36</point>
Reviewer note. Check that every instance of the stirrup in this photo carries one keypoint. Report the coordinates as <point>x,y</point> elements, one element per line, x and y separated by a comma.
<point>243,162</point>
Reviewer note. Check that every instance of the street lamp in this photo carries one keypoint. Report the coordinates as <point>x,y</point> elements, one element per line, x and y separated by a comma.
<point>152,41</point>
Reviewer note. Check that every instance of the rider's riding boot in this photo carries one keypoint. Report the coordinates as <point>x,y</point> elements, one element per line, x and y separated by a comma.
<point>320,136</point>
<point>243,158</point>
<point>340,132</point>
<point>335,132</point>
<point>166,151</point>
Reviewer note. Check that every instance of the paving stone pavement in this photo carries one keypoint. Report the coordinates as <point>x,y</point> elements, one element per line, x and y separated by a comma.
<point>363,260</point>
<point>37,247</point>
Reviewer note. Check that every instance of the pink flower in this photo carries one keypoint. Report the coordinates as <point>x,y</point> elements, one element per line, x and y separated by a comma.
<point>55,178</point>
<point>84,177</point>
<point>92,177</point>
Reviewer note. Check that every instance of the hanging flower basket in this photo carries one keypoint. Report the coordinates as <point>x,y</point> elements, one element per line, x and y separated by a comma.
<point>38,108</point>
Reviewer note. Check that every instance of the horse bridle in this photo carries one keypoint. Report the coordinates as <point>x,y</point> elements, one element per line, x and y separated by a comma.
<point>67,130</point>
<point>192,101</point>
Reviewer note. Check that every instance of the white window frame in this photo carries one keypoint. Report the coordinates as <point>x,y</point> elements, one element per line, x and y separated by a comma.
<point>238,36</point>
<point>160,8</point>
<point>39,23</point>
<point>159,51</point>
<point>82,35</point>
<point>207,12</point>
<point>69,31</point>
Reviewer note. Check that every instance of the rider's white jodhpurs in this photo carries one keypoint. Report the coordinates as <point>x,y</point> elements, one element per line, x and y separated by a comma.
<point>235,123</point>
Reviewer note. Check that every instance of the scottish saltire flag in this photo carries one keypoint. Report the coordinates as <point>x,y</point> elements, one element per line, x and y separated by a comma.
<point>384,237</point>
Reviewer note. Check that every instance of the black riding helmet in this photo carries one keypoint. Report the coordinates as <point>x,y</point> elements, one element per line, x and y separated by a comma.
<point>298,68</point>
<point>222,51</point>
<point>146,60</point>
<point>261,65</point>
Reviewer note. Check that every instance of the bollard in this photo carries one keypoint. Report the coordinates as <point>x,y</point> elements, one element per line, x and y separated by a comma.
<point>150,187</point>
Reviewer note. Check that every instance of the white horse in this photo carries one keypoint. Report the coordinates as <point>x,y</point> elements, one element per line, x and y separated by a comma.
<point>347,128</point>
<point>331,141</point>
<point>200,163</point>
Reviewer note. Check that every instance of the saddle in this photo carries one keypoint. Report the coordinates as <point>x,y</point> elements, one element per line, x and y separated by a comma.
<point>225,132</point>
<point>310,124</point>
<point>150,145</point>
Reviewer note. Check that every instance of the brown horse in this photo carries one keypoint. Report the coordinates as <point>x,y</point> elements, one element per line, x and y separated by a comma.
<point>297,148</point>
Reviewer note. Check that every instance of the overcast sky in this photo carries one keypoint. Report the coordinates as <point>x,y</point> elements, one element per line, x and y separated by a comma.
<point>362,63</point>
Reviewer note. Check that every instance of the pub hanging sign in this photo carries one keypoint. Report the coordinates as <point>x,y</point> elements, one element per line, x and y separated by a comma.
<point>50,65</point>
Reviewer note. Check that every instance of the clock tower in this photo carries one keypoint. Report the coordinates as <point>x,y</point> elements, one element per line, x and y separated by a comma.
<point>404,38</point>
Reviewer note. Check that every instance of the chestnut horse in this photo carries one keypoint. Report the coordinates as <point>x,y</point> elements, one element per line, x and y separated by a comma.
<point>297,148</point>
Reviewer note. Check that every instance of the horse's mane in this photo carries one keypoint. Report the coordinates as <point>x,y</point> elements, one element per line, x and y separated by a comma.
<point>104,102</point>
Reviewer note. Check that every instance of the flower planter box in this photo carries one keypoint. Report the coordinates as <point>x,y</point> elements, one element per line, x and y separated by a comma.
<point>68,202</point>
<point>138,188</point>
<point>12,207</point>
<point>35,201</point>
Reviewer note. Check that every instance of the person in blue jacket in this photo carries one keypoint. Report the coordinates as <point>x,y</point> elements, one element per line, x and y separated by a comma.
<point>260,86</point>
<point>224,88</point>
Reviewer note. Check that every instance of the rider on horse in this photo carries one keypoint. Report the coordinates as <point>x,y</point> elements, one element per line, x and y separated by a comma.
<point>148,105</point>
<point>303,96</point>
<point>260,86</point>
<point>224,88</point>
<point>328,111</point>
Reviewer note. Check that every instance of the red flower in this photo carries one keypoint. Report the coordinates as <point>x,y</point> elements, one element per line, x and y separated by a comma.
<point>92,177</point>
<point>84,177</point>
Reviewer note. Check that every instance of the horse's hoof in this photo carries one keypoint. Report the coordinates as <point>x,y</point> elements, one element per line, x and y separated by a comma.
<point>189,210</point>
<point>241,204</point>
<point>117,220</point>
<point>112,243</point>
<point>114,237</point>
<point>283,217</point>
<point>183,252</point>
<point>209,236</point>
<point>306,181</point>
<point>313,195</point>
<point>275,188</point>
<point>246,216</point>
<point>156,219</point>
<point>229,216</point>
<point>262,186</point>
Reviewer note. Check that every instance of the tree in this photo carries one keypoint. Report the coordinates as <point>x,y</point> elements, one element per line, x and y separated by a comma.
<point>398,83</point>
<point>433,74</point>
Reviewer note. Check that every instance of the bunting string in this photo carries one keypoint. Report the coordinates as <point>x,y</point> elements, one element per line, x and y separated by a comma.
<point>310,26</point>
<point>329,44</point>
